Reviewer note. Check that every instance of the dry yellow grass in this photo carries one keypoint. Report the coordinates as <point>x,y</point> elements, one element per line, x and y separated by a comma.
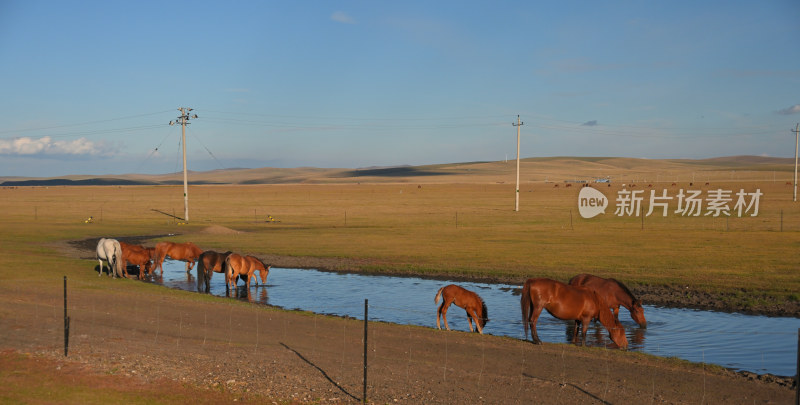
<point>462,223</point>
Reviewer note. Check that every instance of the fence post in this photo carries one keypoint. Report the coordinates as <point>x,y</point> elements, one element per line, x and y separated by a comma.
<point>66,320</point>
<point>797,372</point>
<point>365,351</point>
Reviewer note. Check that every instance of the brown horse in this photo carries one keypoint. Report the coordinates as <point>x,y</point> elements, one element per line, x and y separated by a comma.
<point>208,263</point>
<point>138,256</point>
<point>567,302</point>
<point>471,302</point>
<point>238,266</point>
<point>187,252</point>
<point>615,294</point>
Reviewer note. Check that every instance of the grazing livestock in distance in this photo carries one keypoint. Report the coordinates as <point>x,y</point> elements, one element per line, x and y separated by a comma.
<point>471,302</point>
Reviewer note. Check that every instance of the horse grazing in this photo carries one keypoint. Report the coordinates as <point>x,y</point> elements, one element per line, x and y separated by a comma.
<point>615,294</point>
<point>567,302</point>
<point>110,251</point>
<point>237,266</point>
<point>187,252</point>
<point>137,255</point>
<point>471,302</point>
<point>208,263</point>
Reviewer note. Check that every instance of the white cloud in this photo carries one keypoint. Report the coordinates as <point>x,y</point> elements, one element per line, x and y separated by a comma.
<point>591,123</point>
<point>795,109</point>
<point>342,17</point>
<point>46,146</point>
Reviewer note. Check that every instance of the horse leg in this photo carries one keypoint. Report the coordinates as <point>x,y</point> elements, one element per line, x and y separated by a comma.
<point>616,312</point>
<point>469,321</point>
<point>534,318</point>
<point>444,314</point>
<point>439,315</point>
<point>101,267</point>
<point>474,316</point>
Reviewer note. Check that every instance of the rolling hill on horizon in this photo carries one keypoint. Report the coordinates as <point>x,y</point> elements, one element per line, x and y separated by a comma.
<point>548,169</point>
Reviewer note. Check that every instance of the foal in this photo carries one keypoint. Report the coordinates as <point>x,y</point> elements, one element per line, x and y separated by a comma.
<point>471,302</point>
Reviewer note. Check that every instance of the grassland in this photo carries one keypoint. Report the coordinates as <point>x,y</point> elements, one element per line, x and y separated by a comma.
<point>465,226</point>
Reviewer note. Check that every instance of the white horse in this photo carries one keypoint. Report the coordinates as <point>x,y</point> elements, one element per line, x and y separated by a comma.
<point>110,251</point>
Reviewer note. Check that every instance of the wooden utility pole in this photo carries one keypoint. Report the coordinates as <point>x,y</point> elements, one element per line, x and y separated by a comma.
<point>516,199</point>
<point>796,130</point>
<point>183,119</point>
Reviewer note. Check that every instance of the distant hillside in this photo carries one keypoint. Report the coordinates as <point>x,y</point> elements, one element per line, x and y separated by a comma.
<point>551,169</point>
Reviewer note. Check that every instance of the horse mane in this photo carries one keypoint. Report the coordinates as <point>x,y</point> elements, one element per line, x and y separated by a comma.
<point>624,288</point>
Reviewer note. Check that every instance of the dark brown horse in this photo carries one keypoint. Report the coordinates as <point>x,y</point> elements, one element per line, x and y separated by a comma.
<point>567,302</point>
<point>208,263</point>
<point>238,266</point>
<point>471,302</point>
<point>615,294</point>
<point>187,252</point>
<point>137,255</point>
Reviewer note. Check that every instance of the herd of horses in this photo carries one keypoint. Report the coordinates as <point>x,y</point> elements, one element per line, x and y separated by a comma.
<point>583,299</point>
<point>119,255</point>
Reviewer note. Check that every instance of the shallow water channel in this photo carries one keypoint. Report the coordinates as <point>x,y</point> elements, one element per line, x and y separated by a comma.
<point>740,342</point>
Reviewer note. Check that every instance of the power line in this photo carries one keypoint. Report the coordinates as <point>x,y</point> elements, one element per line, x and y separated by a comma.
<point>81,123</point>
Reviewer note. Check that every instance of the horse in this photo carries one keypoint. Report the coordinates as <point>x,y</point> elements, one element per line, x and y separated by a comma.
<point>237,266</point>
<point>567,302</point>
<point>471,302</point>
<point>208,263</point>
<point>188,252</point>
<point>615,294</point>
<point>110,251</point>
<point>137,255</point>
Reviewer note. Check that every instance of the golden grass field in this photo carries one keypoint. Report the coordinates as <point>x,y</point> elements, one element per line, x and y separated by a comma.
<point>456,220</point>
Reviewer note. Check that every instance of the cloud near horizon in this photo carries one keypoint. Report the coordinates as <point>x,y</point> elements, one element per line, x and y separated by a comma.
<point>591,123</point>
<point>342,17</point>
<point>795,109</point>
<point>27,146</point>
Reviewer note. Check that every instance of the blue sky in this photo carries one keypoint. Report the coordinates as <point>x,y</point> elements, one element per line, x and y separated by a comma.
<point>89,87</point>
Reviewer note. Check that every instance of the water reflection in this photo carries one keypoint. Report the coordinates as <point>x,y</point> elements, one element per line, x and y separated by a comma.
<point>741,342</point>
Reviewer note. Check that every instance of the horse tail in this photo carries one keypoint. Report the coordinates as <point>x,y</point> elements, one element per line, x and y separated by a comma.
<point>118,262</point>
<point>525,305</point>
<point>438,294</point>
<point>201,272</point>
<point>485,317</point>
<point>228,271</point>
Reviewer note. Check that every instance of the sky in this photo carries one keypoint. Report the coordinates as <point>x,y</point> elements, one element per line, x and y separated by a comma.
<point>90,87</point>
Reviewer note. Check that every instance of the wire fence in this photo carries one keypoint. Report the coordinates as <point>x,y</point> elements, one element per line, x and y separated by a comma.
<point>227,344</point>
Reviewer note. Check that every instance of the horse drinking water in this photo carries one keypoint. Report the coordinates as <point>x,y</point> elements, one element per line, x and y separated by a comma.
<point>615,294</point>
<point>208,263</point>
<point>237,266</point>
<point>567,302</point>
<point>471,302</point>
<point>187,252</point>
<point>137,255</point>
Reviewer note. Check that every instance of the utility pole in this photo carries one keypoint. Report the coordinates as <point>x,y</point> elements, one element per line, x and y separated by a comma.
<point>516,200</point>
<point>183,120</point>
<point>796,129</point>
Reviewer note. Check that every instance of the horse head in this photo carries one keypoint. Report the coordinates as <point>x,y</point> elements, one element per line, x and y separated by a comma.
<point>637,313</point>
